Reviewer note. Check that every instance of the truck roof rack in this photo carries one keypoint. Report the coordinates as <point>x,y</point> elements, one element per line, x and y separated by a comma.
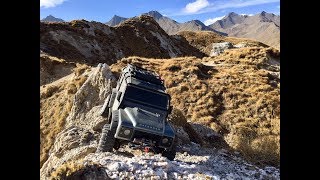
<point>144,74</point>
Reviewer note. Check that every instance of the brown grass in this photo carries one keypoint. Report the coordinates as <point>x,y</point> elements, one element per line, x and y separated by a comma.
<point>233,97</point>
<point>66,169</point>
<point>52,68</point>
<point>55,105</point>
<point>73,170</point>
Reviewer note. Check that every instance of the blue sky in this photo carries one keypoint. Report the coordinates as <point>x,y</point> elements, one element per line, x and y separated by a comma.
<point>180,10</point>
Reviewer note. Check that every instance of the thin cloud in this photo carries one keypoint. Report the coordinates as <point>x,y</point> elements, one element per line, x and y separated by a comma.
<point>218,5</point>
<point>213,20</point>
<point>50,3</point>
<point>246,14</point>
<point>195,6</point>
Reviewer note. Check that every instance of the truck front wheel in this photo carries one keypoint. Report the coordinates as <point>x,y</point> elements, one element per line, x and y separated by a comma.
<point>107,140</point>
<point>170,153</point>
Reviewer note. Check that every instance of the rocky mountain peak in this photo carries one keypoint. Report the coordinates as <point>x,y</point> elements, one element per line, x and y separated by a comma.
<point>154,14</point>
<point>232,14</point>
<point>263,13</point>
<point>115,20</point>
<point>198,22</point>
<point>51,18</point>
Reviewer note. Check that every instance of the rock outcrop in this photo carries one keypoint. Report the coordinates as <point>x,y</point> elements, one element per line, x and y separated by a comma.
<point>80,135</point>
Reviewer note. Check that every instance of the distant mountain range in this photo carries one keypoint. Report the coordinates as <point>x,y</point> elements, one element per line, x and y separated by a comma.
<point>51,18</point>
<point>169,25</point>
<point>264,27</point>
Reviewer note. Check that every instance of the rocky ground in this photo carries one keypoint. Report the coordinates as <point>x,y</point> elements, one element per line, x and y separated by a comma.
<point>192,162</point>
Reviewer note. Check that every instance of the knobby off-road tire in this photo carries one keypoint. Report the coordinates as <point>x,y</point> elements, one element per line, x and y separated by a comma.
<point>107,140</point>
<point>170,154</point>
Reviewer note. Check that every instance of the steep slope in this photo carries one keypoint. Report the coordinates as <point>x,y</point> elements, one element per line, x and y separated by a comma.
<point>264,27</point>
<point>72,154</point>
<point>236,94</point>
<point>92,42</point>
<point>56,102</point>
<point>51,18</point>
<point>115,20</point>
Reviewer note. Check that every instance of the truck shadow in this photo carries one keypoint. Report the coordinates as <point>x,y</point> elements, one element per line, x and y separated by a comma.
<point>124,153</point>
<point>210,140</point>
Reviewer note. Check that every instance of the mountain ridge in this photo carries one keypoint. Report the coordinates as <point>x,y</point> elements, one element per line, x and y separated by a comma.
<point>93,42</point>
<point>170,26</point>
<point>264,27</point>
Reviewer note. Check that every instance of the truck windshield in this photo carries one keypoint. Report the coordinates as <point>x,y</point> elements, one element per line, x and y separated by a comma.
<point>146,97</point>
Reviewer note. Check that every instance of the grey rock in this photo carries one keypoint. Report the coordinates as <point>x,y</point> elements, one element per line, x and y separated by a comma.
<point>218,48</point>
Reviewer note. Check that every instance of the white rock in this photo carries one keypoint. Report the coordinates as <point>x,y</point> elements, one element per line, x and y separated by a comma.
<point>218,48</point>
<point>114,166</point>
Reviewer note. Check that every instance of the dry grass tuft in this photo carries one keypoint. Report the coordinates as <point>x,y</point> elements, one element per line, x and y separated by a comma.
<point>80,69</point>
<point>77,170</point>
<point>66,169</point>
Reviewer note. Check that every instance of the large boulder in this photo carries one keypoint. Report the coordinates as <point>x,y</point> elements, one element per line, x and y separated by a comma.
<point>92,93</point>
<point>218,48</point>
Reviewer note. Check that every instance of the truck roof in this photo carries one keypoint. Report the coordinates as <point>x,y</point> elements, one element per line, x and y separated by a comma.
<point>142,77</point>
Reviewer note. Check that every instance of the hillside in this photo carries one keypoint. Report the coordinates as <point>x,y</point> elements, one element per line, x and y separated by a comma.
<point>236,94</point>
<point>212,94</point>
<point>92,42</point>
<point>264,27</point>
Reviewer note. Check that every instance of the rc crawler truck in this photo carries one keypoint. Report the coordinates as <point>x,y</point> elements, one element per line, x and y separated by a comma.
<point>136,113</point>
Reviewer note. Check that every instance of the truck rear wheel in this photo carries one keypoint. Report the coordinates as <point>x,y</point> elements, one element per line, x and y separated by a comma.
<point>107,140</point>
<point>170,154</point>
